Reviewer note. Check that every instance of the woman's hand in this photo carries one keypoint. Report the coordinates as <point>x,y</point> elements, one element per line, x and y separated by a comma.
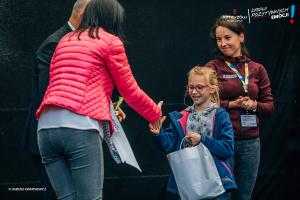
<point>121,115</point>
<point>155,128</point>
<point>250,105</point>
<point>238,103</point>
<point>194,138</point>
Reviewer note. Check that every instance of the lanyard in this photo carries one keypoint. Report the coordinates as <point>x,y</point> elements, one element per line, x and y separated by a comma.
<point>245,83</point>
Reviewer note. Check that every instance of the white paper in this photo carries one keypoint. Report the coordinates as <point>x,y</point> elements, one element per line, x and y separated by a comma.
<point>124,149</point>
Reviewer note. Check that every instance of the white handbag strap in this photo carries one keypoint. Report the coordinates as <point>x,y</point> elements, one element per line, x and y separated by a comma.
<point>181,143</point>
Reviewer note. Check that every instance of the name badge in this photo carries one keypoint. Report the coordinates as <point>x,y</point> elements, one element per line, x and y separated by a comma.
<point>248,120</point>
<point>230,76</point>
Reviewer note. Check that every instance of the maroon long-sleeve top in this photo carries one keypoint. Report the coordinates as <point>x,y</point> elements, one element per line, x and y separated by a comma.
<point>231,88</point>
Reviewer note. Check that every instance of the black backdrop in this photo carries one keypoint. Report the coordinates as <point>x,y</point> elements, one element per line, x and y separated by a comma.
<point>167,38</point>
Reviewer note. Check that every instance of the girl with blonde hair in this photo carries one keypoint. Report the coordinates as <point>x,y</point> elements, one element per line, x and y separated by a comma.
<point>203,122</point>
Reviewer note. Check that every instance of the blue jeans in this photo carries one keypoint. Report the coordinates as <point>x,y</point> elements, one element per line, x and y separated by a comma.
<point>49,193</point>
<point>74,162</point>
<point>244,164</point>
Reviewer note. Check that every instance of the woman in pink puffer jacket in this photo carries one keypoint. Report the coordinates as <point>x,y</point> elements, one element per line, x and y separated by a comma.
<point>76,109</point>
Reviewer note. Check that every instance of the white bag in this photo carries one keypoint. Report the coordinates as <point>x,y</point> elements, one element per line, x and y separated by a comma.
<point>195,173</point>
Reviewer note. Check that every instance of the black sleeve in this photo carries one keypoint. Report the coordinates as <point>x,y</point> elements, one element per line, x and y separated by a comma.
<point>43,63</point>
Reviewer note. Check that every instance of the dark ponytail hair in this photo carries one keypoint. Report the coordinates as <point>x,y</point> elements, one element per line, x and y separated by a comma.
<point>232,24</point>
<point>107,14</point>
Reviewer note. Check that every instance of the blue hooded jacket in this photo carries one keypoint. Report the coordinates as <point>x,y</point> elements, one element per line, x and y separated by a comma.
<point>221,144</point>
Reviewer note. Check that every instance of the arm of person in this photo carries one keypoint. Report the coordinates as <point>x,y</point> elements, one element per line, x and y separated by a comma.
<point>265,102</point>
<point>165,140</point>
<point>121,74</point>
<point>224,145</point>
<point>43,60</point>
<point>239,103</point>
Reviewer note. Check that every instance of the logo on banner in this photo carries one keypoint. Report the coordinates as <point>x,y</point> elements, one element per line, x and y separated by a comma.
<point>292,13</point>
<point>239,18</point>
<point>262,12</point>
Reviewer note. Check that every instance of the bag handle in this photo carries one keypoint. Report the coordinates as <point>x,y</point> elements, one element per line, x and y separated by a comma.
<point>181,143</point>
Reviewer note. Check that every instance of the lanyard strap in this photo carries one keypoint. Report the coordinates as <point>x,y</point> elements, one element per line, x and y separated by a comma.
<point>245,82</point>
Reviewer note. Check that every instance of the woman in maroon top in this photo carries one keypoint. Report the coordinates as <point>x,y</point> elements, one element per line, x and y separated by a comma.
<point>244,102</point>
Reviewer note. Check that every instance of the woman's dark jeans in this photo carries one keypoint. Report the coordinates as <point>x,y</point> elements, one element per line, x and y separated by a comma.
<point>74,162</point>
<point>244,164</point>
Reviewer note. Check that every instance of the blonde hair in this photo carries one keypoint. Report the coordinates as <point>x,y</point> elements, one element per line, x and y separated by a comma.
<point>211,80</point>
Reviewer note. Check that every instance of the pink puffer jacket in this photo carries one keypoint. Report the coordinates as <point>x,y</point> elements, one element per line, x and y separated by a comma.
<point>83,74</point>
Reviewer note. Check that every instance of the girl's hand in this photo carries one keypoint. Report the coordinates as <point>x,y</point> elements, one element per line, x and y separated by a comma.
<point>194,138</point>
<point>159,122</point>
<point>155,128</point>
<point>121,116</point>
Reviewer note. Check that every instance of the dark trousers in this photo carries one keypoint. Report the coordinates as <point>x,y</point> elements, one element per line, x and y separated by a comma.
<point>49,194</point>
<point>244,164</point>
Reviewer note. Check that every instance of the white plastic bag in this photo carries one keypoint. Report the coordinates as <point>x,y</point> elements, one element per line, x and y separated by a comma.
<point>195,173</point>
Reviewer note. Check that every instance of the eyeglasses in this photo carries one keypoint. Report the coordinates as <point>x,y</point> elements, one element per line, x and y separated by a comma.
<point>198,88</point>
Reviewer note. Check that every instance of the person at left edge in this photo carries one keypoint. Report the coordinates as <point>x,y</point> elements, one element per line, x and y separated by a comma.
<point>39,85</point>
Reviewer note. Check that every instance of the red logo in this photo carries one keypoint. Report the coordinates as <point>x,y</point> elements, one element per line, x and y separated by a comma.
<point>234,11</point>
